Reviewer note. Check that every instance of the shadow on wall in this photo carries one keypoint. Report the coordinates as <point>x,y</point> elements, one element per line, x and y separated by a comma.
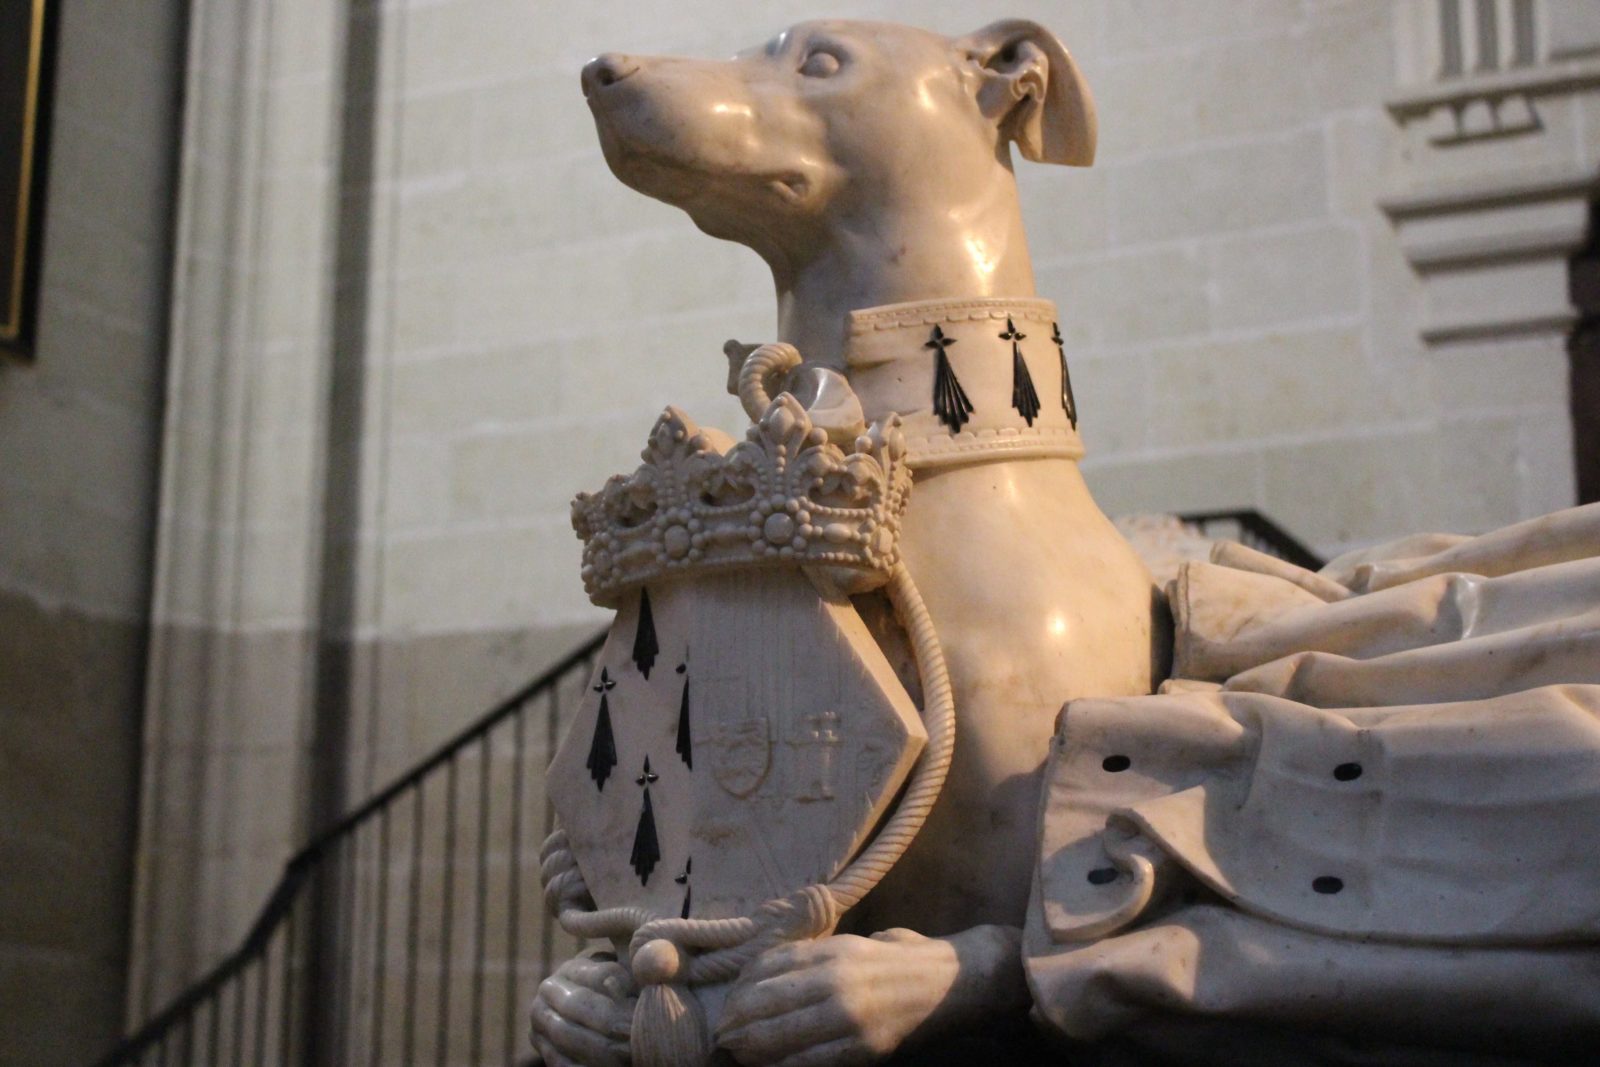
<point>1583,349</point>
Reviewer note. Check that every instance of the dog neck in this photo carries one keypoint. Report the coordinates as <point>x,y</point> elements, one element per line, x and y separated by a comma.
<point>921,245</point>
<point>972,380</point>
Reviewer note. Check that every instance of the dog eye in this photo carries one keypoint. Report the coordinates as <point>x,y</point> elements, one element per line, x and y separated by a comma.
<point>820,65</point>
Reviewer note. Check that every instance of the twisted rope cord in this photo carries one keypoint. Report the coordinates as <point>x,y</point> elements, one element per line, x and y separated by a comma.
<point>669,1025</point>
<point>731,943</point>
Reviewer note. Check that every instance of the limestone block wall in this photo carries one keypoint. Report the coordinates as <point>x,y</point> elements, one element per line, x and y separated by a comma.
<point>1244,328</point>
<point>78,432</point>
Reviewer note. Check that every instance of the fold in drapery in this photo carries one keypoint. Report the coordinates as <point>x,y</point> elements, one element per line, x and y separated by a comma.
<point>1367,804</point>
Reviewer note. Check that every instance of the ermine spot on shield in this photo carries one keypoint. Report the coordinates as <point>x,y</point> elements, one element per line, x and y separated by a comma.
<point>603,749</point>
<point>645,645</point>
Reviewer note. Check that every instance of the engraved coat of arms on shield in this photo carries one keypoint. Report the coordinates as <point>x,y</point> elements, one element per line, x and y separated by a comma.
<point>742,733</point>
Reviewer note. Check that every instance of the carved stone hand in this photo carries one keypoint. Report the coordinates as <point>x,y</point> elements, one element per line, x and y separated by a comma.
<point>582,1013</point>
<point>854,1000</point>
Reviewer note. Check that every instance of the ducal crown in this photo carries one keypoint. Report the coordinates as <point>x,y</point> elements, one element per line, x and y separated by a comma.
<point>784,496</point>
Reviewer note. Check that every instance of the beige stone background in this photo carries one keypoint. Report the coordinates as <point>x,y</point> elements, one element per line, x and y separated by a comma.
<point>284,492</point>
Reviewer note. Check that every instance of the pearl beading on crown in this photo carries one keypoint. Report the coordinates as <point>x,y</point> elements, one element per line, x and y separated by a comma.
<point>783,496</point>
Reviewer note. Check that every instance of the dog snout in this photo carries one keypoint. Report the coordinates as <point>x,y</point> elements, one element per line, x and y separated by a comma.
<point>606,70</point>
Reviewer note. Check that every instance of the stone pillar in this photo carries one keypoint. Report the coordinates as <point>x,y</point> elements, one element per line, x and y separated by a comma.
<point>227,777</point>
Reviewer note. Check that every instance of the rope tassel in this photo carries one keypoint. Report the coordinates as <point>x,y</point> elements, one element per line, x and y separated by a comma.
<point>670,956</point>
<point>669,1025</point>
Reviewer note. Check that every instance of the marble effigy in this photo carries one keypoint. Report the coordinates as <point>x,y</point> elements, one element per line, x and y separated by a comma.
<point>1265,814</point>
<point>1353,825</point>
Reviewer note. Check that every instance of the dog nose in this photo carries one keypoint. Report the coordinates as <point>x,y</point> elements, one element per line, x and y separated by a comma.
<point>606,70</point>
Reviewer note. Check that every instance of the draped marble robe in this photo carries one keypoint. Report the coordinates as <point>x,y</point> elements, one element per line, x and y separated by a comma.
<point>1360,825</point>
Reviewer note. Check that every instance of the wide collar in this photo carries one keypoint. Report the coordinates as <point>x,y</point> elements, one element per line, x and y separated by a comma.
<point>972,380</point>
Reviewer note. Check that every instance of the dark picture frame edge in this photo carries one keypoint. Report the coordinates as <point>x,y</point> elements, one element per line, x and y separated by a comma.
<point>19,300</point>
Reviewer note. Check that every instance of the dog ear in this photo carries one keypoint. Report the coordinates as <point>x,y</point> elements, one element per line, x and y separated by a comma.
<point>1033,90</point>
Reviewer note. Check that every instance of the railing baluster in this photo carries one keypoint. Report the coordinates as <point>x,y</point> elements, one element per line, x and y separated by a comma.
<point>380,940</point>
<point>413,921</point>
<point>311,1009</point>
<point>480,907</point>
<point>514,899</point>
<point>263,976</point>
<point>447,911</point>
<point>552,736</point>
<point>238,1016</point>
<point>214,1032</point>
<point>286,1007</point>
<point>349,942</point>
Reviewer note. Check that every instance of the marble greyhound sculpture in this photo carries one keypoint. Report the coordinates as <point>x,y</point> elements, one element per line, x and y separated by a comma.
<point>869,165</point>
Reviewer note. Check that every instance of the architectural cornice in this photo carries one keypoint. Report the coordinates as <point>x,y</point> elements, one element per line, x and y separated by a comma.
<point>1541,80</point>
<point>1494,187</point>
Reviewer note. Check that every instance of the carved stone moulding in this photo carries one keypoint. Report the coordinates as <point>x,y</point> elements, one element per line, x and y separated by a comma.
<point>1493,254</point>
<point>1499,166</point>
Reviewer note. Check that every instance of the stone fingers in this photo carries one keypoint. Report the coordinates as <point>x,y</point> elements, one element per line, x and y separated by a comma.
<point>585,1026</point>
<point>773,996</point>
<point>562,1042</point>
<point>781,959</point>
<point>778,1038</point>
<point>841,1052</point>
<point>602,976</point>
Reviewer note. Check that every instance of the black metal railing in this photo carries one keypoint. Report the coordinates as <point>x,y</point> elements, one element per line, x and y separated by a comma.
<point>413,930</point>
<point>409,932</point>
<point>1252,528</point>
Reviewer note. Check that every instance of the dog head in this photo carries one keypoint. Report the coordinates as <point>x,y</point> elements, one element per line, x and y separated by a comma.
<point>833,120</point>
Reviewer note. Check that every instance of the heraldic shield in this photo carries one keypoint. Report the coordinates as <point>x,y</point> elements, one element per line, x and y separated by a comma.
<point>741,736</point>
<point>743,733</point>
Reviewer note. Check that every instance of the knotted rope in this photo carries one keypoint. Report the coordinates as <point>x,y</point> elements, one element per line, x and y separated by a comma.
<point>668,956</point>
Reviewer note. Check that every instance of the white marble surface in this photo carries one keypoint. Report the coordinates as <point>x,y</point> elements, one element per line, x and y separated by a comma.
<point>1364,807</point>
<point>869,166</point>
